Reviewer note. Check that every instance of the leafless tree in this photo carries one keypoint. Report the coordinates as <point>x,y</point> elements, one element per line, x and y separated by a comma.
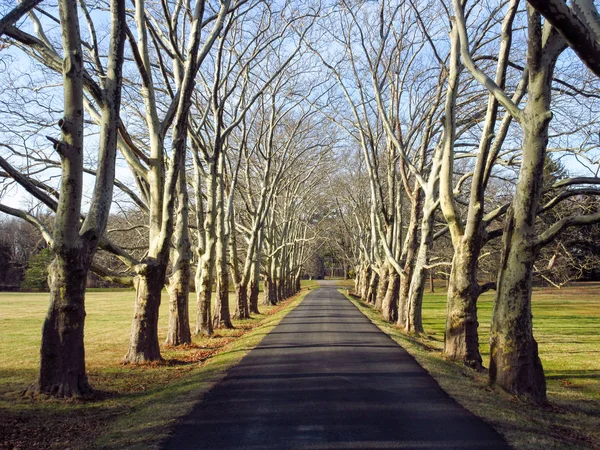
<point>74,238</point>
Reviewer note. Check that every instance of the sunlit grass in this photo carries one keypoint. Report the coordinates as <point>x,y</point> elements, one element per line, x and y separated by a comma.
<point>135,404</point>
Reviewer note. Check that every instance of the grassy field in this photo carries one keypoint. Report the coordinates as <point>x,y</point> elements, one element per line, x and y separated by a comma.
<point>567,328</point>
<point>135,404</point>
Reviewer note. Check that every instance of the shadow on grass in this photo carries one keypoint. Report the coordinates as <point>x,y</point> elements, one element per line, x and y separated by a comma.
<point>580,374</point>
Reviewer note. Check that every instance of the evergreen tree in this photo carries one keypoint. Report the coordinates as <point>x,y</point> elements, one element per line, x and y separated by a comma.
<point>36,275</point>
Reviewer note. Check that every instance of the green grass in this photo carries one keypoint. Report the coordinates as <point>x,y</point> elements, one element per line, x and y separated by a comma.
<point>567,328</point>
<point>135,404</point>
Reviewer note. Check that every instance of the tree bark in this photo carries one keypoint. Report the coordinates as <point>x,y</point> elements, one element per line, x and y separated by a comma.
<point>461,340</point>
<point>389,307</point>
<point>372,290</point>
<point>515,365</point>
<point>270,291</point>
<point>222,315</point>
<point>382,286</point>
<point>204,282</point>
<point>205,270</point>
<point>179,285</point>
<point>62,366</point>
<point>255,280</point>
<point>411,245</point>
<point>364,282</point>
<point>62,371</point>
<point>143,345</point>
<point>414,322</point>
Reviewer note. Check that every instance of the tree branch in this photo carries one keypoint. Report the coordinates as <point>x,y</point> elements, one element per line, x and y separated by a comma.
<point>16,13</point>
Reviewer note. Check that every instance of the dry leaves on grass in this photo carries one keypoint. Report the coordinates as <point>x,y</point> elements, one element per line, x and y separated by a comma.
<point>23,433</point>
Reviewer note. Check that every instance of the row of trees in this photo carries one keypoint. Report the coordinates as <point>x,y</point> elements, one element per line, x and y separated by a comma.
<point>219,125</point>
<point>218,143</point>
<point>453,118</point>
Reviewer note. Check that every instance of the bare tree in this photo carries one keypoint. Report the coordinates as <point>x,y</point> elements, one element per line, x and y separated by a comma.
<point>515,364</point>
<point>74,240</point>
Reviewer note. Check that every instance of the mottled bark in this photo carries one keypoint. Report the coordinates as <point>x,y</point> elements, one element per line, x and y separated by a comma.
<point>204,281</point>
<point>514,361</point>
<point>62,356</point>
<point>222,316</point>
<point>179,317</point>
<point>242,307</point>
<point>461,340</point>
<point>515,365</point>
<point>62,370</point>
<point>411,244</point>
<point>62,367</point>
<point>414,322</point>
<point>270,291</point>
<point>382,286</point>
<point>206,265</point>
<point>179,285</point>
<point>364,282</point>
<point>254,283</point>
<point>389,307</point>
<point>143,345</point>
<point>461,335</point>
<point>253,295</point>
<point>372,290</point>
<point>278,282</point>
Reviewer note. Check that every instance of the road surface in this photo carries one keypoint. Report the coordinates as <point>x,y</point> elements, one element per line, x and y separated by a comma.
<point>327,378</point>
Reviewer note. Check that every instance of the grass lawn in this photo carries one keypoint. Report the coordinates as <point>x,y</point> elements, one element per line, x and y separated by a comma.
<point>567,328</point>
<point>135,404</point>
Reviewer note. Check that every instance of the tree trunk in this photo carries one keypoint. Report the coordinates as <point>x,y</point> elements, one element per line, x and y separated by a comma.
<point>461,341</point>
<point>382,286</point>
<point>143,345</point>
<point>414,321</point>
<point>270,290</point>
<point>62,370</point>
<point>389,308</point>
<point>205,270</point>
<point>372,290</point>
<point>279,283</point>
<point>254,287</point>
<point>179,317</point>
<point>242,310</point>
<point>221,316</point>
<point>204,281</point>
<point>179,285</point>
<point>515,365</point>
<point>411,245</point>
<point>273,291</point>
<point>431,282</point>
<point>364,282</point>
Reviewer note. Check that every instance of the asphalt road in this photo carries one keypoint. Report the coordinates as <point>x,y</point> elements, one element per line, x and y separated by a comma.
<point>326,378</point>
